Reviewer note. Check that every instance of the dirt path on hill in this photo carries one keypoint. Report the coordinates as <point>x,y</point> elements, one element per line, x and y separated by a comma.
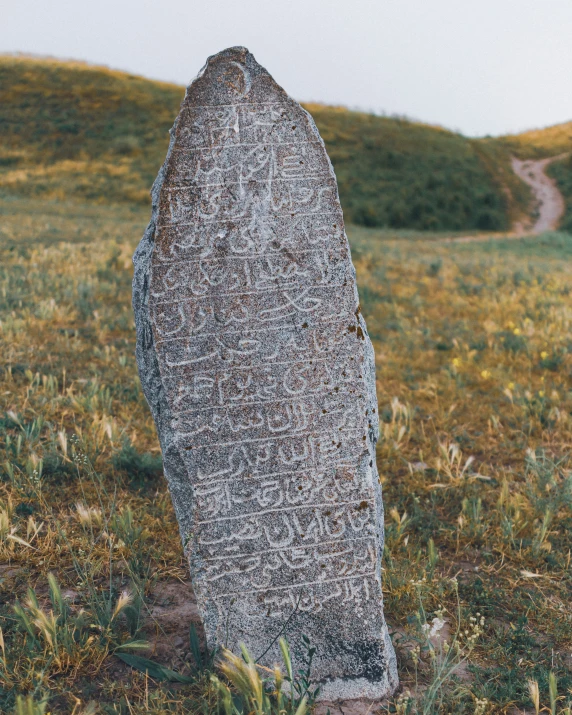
<point>548,201</point>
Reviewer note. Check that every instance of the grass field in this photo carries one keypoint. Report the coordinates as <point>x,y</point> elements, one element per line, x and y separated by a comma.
<point>474,362</point>
<point>473,345</point>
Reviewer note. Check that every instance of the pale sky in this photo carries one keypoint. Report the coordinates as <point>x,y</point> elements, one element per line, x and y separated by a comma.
<point>477,66</point>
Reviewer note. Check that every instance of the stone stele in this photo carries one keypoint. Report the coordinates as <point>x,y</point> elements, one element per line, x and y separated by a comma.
<point>256,363</point>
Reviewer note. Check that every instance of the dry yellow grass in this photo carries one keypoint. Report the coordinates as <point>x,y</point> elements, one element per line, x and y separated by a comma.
<point>540,143</point>
<point>473,345</point>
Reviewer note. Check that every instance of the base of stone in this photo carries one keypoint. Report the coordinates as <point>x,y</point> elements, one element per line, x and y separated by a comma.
<point>356,689</point>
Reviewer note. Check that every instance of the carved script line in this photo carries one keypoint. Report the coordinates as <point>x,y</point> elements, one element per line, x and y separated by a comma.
<point>306,472</point>
<point>243,257</point>
<point>244,104</point>
<point>238,405</point>
<point>286,362</point>
<point>218,147</point>
<point>271,289</point>
<point>193,183</point>
<point>351,317</point>
<point>298,585</point>
<point>284,508</point>
<point>274,438</point>
<point>236,220</point>
<point>311,547</point>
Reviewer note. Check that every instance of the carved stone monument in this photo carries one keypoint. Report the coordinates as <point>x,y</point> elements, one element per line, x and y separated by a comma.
<point>259,372</point>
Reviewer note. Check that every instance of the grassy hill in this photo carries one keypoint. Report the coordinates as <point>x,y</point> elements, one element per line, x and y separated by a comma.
<point>73,130</point>
<point>538,143</point>
<point>551,141</point>
<point>398,173</point>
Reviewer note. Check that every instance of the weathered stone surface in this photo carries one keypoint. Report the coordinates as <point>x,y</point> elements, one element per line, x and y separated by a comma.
<point>259,372</point>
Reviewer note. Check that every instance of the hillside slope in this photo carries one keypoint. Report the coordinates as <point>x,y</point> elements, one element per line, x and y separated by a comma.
<point>72,130</point>
<point>68,129</point>
<point>540,143</point>
<point>398,173</point>
<point>561,172</point>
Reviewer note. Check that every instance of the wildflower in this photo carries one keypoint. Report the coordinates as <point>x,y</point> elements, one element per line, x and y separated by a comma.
<point>485,374</point>
<point>544,354</point>
<point>516,331</point>
<point>403,703</point>
<point>480,706</point>
<point>510,385</point>
<point>437,625</point>
<point>456,362</point>
<point>431,630</point>
<point>541,393</point>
